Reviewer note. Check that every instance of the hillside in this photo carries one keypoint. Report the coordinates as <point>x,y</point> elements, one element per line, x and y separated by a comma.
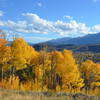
<point>88,43</point>
<point>95,48</point>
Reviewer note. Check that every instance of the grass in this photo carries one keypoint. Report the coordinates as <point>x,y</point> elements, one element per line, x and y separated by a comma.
<point>20,95</point>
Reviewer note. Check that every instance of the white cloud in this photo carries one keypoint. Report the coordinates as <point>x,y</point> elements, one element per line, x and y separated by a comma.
<point>96,28</point>
<point>1,13</point>
<point>35,24</point>
<point>2,23</point>
<point>68,17</point>
<point>58,27</point>
<point>39,4</point>
<point>95,1</point>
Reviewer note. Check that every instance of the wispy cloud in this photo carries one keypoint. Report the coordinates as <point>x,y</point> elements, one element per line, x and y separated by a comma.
<point>1,13</point>
<point>39,4</point>
<point>68,17</point>
<point>95,1</point>
<point>35,24</point>
<point>96,28</point>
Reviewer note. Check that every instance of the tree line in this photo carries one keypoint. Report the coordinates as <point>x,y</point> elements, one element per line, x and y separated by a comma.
<point>24,68</point>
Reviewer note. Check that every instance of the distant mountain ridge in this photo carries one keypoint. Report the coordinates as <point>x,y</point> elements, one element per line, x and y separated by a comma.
<point>88,43</point>
<point>58,41</point>
<point>88,39</point>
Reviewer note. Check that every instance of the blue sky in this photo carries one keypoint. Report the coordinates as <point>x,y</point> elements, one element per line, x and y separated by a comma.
<point>42,20</point>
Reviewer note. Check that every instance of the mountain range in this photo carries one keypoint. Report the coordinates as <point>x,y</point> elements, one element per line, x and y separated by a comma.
<point>87,39</point>
<point>87,43</point>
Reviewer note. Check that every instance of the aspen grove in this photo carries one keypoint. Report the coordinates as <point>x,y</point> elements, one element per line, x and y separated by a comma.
<point>24,68</point>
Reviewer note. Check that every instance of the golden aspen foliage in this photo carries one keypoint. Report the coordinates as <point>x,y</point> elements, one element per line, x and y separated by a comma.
<point>9,84</point>
<point>91,73</point>
<point>68,70</point>
<point>22,53</point>
<point>3,42</point>
<point>5,55</point>
<point>23,68</point>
